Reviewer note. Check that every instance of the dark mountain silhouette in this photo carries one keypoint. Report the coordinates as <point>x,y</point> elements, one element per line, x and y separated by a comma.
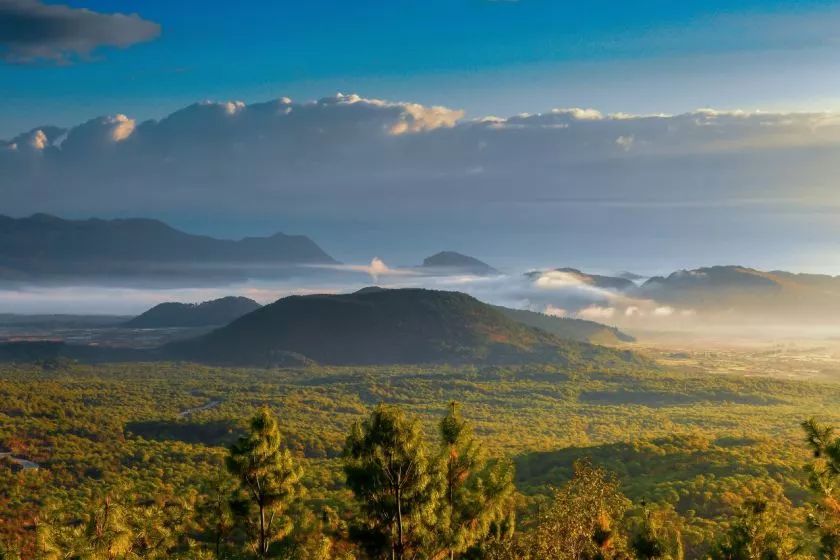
<point>43,247</point>
<point>450,261</point>
<point>568,328</point>
<point>627,275</point>
<point>387,326</point>
<point>721,286</point>
<point>607,282</point>
<point>716,277</point>
<point>215,312</point>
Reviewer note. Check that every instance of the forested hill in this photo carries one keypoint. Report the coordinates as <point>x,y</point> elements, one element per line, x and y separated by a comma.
<point>569,328</point>
<point>387,327</point>
<point>209,313</point>
<point>450,261</point>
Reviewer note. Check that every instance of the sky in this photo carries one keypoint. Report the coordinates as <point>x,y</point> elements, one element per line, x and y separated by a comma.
<point>606,135</point>
<point>485,57</point>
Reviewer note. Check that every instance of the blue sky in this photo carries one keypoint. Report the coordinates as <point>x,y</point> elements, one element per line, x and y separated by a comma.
<point>487,57</point>
<point>389,174</point>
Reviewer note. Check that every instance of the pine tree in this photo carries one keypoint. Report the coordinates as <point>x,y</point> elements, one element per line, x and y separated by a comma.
<point>7,554</point>
<point>268,475</point>
<point>387,468</point>
<point>217,521</point>
<point>101,533</point>
<point>477,494</point>
<point>824,473</point>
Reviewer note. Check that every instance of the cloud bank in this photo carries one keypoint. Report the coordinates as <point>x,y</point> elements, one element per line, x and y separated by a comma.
<point>32,31</point>
<point>593,180</point>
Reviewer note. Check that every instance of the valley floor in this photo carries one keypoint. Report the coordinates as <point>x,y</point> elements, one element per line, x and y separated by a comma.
<point>703,433</point>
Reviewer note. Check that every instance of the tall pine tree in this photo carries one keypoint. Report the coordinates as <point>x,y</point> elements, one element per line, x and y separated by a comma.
<point>269,475</point>
<point>387,467</point>
<point>477,496</point>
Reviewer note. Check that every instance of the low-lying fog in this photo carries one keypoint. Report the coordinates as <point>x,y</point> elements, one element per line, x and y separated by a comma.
<point>549,291</point>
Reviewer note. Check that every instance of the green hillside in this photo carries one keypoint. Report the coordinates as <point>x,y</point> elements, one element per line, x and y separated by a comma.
<point>387,326</point>
<point>567,327</point>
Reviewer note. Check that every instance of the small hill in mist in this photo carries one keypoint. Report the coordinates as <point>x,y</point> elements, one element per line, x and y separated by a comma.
<point>452,262</point>
<point>376,326</point>
<point>44,247</point>
<point>615,283</point>
<point>568,328</point>
<point>209,313</point>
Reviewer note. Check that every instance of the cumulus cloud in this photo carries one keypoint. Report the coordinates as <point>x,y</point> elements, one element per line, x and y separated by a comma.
<point>31,31</point>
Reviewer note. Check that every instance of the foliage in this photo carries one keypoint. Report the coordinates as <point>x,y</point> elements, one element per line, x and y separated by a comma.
<point>584,519</point>
<point>700,444</point>
<point>759,532</point>
<point>658,535</point>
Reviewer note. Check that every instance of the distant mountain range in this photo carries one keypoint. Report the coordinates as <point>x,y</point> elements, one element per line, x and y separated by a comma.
<point>216,312</point>
<point>741,292</point>
<point>748,290</point>
<point>43,247</point>
<point>378,326</point>
<point>451,262</point>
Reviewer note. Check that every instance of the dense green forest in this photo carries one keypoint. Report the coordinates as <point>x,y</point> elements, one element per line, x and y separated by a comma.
<point>176,460</point>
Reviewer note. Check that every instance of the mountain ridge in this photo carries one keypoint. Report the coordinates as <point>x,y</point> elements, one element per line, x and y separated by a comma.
<point>43,246</point>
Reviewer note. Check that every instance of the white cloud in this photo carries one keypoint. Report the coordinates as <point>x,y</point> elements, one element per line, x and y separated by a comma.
<point>555,311</point>
<point>596,313</point>
<point>376,269</point>
<point>625,142</point>
<point>373,161</point>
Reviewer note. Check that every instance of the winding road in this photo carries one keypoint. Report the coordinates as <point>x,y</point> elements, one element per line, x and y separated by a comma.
<point>23,463</point>
<point>202,408</point>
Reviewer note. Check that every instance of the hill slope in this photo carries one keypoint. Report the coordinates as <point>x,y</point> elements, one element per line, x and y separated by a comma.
<point>568,328</point>
<point>387,327</point>
<point>215,312</point>
<point>46,246</point>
